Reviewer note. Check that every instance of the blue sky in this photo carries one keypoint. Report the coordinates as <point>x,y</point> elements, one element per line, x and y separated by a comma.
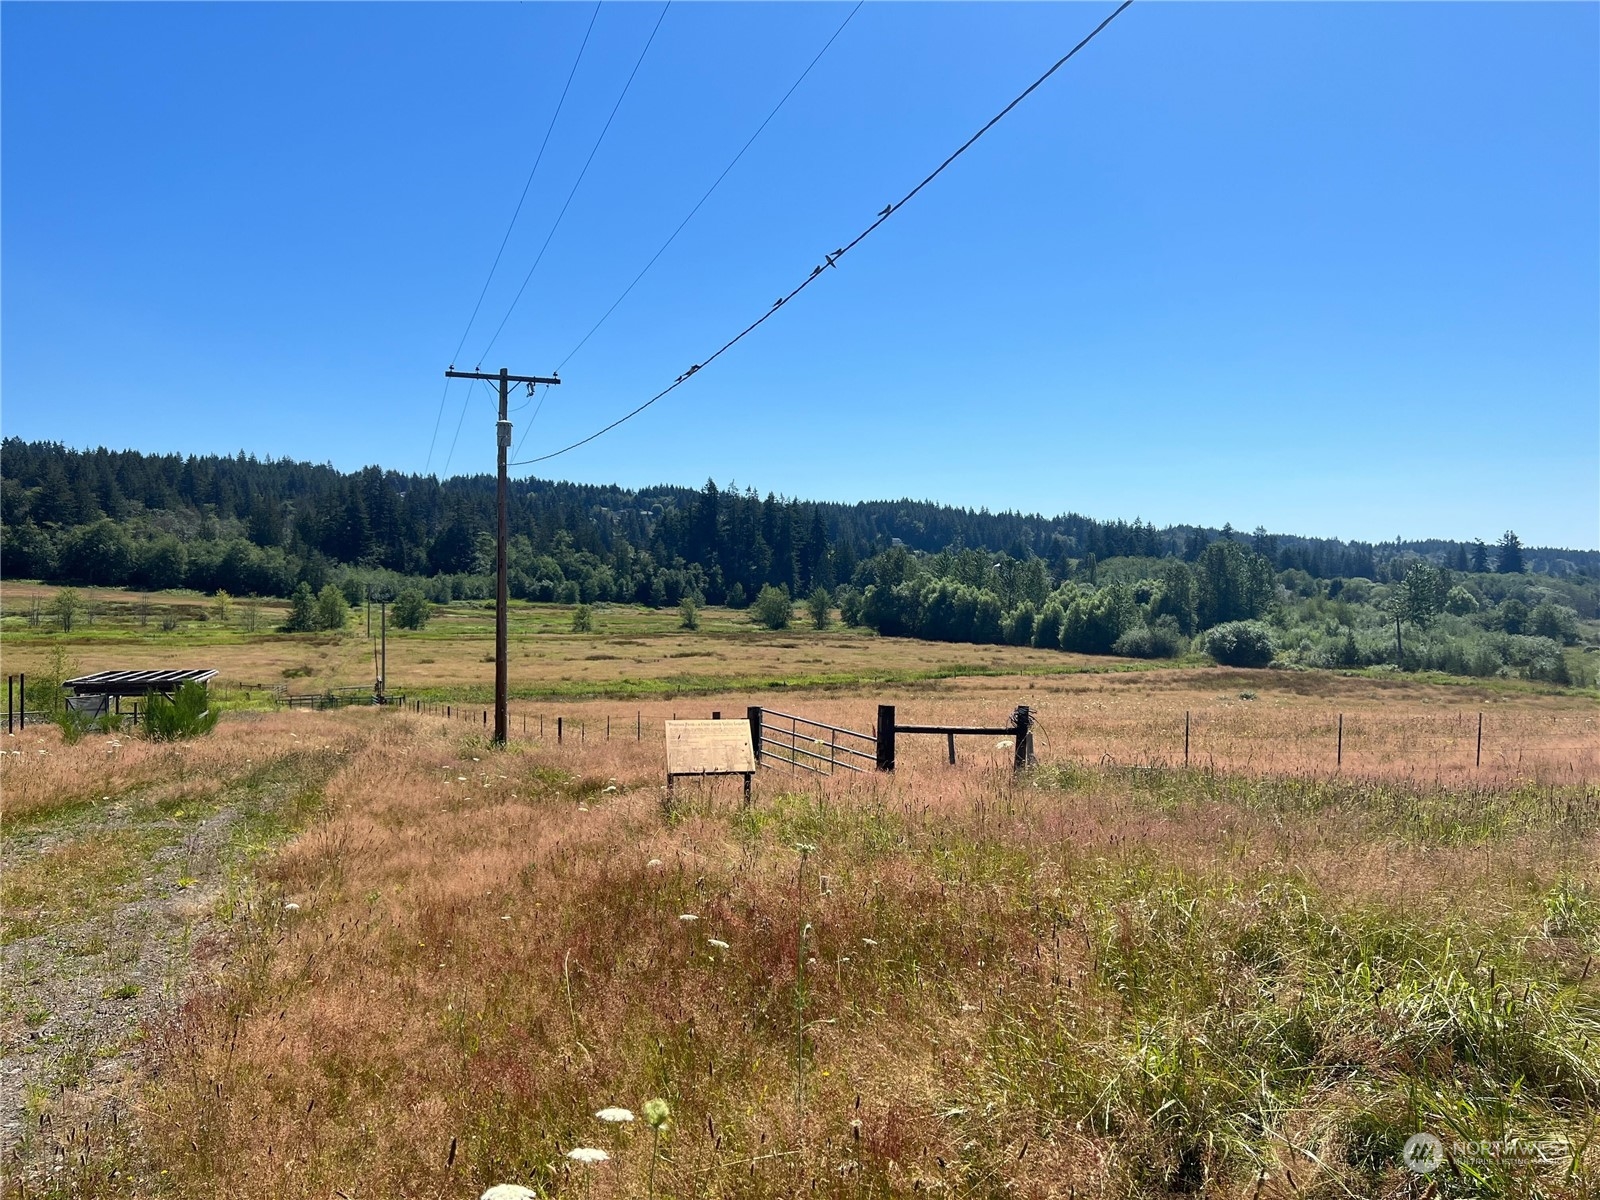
<point>1332,269</point>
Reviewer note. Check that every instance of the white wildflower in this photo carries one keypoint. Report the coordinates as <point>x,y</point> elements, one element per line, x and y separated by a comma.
<point>461,778</point>
<point>291,906</point>
<point>615,1116</point>
<point>718,943</point>
<point>869,941</point>
<point>611,788</point>
<point>687,917</point>
<point>509,1191</point>
<point>1003,744</point>
<point>654,862</point>
<point>588,1154</point>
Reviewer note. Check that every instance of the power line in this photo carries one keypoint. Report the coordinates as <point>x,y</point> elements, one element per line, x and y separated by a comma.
<point>576,184</point>
<point>831,260</point>
<point>466,401</point>
<point>538,158</point>
<point>715,184</point>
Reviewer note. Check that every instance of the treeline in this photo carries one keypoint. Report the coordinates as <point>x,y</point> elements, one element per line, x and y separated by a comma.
<point>1234,606</point>
<point>262,527</point>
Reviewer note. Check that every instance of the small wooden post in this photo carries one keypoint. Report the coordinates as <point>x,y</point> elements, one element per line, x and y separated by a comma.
<point>447,712</point>
<point>638,725</point>
<point>716,716</point>
<point>22,712</point>
<point>11,703</point>
<point>950,738</point>
<point>559,721</point>
<point>1338,759</point>
<point>1480,737</point>
<point>1022,721</point>
<point>486,718</point>
<point>885,737</point>
<point>608,727</point>
<point>1186,738</point>
<point>754,714</point>
<point>541,727</point>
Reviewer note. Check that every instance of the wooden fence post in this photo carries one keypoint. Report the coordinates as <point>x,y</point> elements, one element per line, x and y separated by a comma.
<point>754,713</point>
<point>950,739</point>
<point>1338,759</point>
<point>1480,732</point>
<point>22,712</point>
<point>1023,738</point>
<point>885,737</point>
<point>1186,738</point>
<point>559,721</point>
<point>10,700</point>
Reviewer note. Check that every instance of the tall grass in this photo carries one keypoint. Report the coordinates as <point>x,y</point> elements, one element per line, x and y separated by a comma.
<point>1108,982</point>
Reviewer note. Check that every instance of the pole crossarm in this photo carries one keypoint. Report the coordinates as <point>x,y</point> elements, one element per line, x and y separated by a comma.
<point>496,376</point>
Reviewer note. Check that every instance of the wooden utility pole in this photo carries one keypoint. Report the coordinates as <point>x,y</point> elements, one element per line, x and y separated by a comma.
<point>503,444</point>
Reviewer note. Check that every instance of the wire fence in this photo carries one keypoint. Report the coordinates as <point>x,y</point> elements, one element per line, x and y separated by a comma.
<point>1466,743</point>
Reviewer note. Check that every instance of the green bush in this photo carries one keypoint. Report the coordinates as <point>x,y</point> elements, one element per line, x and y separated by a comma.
<point>411,609</point>
<point>1239,644</point>
<point>188,714</point>
<point>1554,621</point>
<point>1160,639</point>
<point>688,613</point>
<point>332,610</point>
<point>773,608</point>
<point>850,602</point>
<point>583,619</point>
<point>820,605</point>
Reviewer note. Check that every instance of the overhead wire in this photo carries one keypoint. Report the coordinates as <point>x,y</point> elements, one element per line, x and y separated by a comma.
<point>831,260</point>
<point>576,183</point>
<point>793,87</point>
<point>537,159</point>
<point>465,402</point>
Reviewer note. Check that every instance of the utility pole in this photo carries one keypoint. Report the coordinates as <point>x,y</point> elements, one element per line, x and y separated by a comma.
<point>503,444</point>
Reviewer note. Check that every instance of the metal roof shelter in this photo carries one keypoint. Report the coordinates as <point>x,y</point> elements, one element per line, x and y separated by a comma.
<point>135,683</point>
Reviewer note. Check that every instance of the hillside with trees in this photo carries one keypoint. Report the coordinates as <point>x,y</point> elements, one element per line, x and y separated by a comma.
<point>248,526</point>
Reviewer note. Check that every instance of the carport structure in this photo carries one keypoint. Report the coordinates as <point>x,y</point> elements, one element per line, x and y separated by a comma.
<point>94,694</point>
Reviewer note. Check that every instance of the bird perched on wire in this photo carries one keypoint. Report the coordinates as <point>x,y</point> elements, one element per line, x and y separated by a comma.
<point>887,211</point>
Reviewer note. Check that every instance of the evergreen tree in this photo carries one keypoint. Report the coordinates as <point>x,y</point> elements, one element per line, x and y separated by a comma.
<point>302,611</point>
<point>1480,557</point>
<point>1508,561</point>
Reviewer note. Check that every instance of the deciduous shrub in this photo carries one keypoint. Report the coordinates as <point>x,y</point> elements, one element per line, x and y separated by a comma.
<point>1239,644</point>
<point>411,609</point>
<point>1159,639</point>
<point>773,608</point>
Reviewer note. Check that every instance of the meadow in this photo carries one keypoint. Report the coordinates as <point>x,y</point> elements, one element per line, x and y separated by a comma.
<point>361,952</point>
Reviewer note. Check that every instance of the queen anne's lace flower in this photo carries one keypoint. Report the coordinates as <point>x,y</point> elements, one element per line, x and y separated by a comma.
<point>588,1154</point>
<point>616,1116</point>
<point>509,1191</point>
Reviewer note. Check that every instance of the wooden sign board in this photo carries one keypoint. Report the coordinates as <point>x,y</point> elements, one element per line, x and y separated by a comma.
<point>709,748</point>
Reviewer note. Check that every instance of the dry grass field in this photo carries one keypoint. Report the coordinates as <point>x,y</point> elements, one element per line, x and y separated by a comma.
<point>1088,980</point>
<point>632,652</point>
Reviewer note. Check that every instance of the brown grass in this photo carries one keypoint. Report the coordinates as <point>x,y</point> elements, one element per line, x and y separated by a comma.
<point>1085,982</point>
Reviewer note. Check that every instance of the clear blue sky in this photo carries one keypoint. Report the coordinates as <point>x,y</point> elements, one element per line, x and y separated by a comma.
<point>1332,269</point>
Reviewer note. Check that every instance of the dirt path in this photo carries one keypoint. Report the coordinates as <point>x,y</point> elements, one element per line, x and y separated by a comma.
<point>109,907</point>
